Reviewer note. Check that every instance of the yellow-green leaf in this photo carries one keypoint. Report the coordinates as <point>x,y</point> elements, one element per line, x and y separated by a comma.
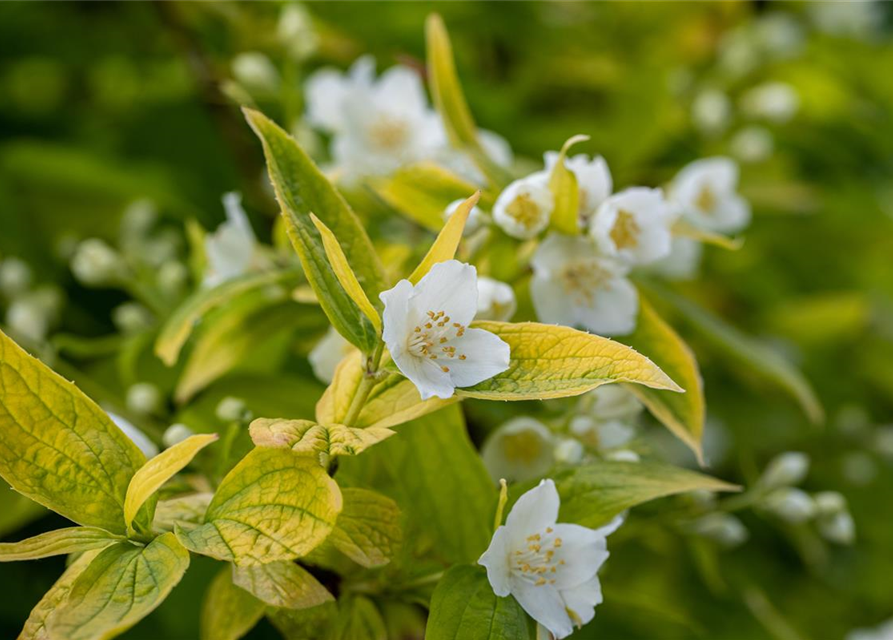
<point>301,188</point>
<point>392,401</point>
<point>681,413</point>
<point>368,530</point>
<point>282,584</point>
<point>159,470</point>
<point>58,447</point>
<point>685,229</point>
<point>444,247</point>
<point>358,619</point>
<point>35,625</point>
<point>344,273</point>
<point>120,587</point>
<point>563,184</point>
<point>305,436</point>
<point>228,611</point>
<point>179,326</point>
<point>274,505</point>
<point>57,543</point>
<point>551,361</point>
<point>185,511</point>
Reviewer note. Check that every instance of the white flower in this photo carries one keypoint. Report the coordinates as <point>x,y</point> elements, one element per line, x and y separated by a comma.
<point>426,332</point>
<point>633,226</point>
<point>230,250</point>
<point>786,469</point>
<point>569,451</point>
<point>327,354</point>
<point>705,191</point>
<point>15,277</point>
<point>856,19</point>
<point>295,31</point>
<point>790,504</point>
<point>774,101</point>
<point>593,179</point>
<point>476,217</point>
<point>622,455</point>
<point>839,528</point>
<point>256,72</point>
<point>521,449</point>
<point>378,125</point>
<point>723,528</point>
<point>602,435</point>
<point>95,263</point>
<point>132,317</point>
<point>232,409</point>
<point>551,569</point>
<point>524,208</point>
<point>752,144</point>
<point>683,261</point>
<point>494,145</point>
<point>613,402</point>
<point>140,439</point>
<point>144,398</point>
<point>711,111</point>
<point>572,285</point>
<point>496,300</point>
<point>175,434</point>
<point>884,631</point>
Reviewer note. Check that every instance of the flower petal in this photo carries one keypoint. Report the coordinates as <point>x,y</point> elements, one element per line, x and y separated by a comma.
<point>428,377</point>
<point>583,551</point>
<point>545,605</point>
<point>450,287</point>
<point>486,354</point>
<point>395,321</point>
<point>496,559</point>
<point>583,599</point>
<point>533,512</point>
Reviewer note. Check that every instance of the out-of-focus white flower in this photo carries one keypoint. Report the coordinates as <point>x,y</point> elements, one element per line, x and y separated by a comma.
<point>884,631</point>
<point>493,145</point>
<point>425,327</point>
<point>723,528</point>
<point>140,439</point>
<point>550,568</point>
<point>496,300</point>
<point>622,455</point>
<point>378,125</point>
<point>254,71</point>
<point>829,503</point>
<point>752,144</point>
<point>476,217</point>
<point>144,398</point>
<point>633,226</point>
<point>683,261</point>
<point>569,451</point>
<point>786,469</point>
<point>883,441</point>
<point>172,277</point>
<point>231,249</point>
<point>295,31</point>
<point>601,434</point>
<point>521,449</point>
<point>232,409</point>
<point>773,101</point>
<point>132,317</point>
<point>327,354</point>
<point>524,208</point>
<point>31,315</point>
<point>593,180</point>
<point>779,34</point>
<point>574,286</point>
<point>859,468</point>
<point>175,434</point>
<point>839,528</point>
<point>613,402</point>
<point>711,111</point>
<point>855,18</point>
<point>96,264</point>
<point>15,277</point>
<point>790,504</point>
<point>705,193</point>
<point>137,220</point>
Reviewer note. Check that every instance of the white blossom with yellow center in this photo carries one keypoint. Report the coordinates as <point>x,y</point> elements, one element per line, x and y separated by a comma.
<point>524,208</point>
<point>705,193</point>
<point>425,328</point>
<point>574,286</point>
<point>496,300</point>
<point>550,568</point>
<point>633,226</point>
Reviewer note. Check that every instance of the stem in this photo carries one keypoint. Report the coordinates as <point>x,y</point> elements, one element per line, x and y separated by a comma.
<point>365,387</point>
<point>500,506</point>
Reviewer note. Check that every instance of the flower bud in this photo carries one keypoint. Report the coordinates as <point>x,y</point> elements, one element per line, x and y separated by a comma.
<point>520,449</point>
<point>232,409</point>
<point>883,441</point>
<point>723,528</point>
<point>790,504</point>
<point>295,31</point>
<point>327,354</point>
<point>144,398</point>
<point>175,434</point>
<point>752,144</point>
<point>15,277</point>
<point>568,451</point>
<point>27,320</point>
<point>96,264</point>
<point>132,317</point>
<point>787,469</point>
<point>496,300</point>
<point>172,277</point>
<point>255,71</point>
<point>829,503</point>
<point>623,455</point>
<point>140,439</point>
<point>711,111</point>
<point>476,217</point>
<point>839,528</point>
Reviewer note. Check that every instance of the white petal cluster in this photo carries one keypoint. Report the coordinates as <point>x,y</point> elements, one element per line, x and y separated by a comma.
<point>550,568</point>
<point>524,208</point>
<point>705,192</point>
<point>633,226</point>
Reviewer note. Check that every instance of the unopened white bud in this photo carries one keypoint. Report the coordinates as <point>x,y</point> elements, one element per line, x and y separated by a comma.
<point>883,441</point>
<point>138,219</point>
<point>623,455</point>
<point>752,144</point>
<point>839,528</point>
<point>496,300</point>
<point>569,451</point>
<point>790,504</point>
<point>476,217</point>
<point>95,263</point>
<point>175,434</point>
<point>172,277</point>
<point>132,317</point>
<point>232,409</point>
<point>829,503</point>
<point>295,31</point>
<point>27,320</point>
<point>711,111</point>
<point>327,355</point>
<point>15,277</point>
<point>255,71</point>
<point>787,469</point>
<point>774,101</point>
<point>723,528</point>
<point>144,398</point>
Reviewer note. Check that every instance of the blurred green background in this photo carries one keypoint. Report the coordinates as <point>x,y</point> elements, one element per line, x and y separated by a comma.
<point>105,103</point>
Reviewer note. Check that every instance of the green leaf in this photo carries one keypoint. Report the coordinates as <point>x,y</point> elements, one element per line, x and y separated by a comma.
<point>228,612</point>
<point>392,401</point>
<point>159,470</point>
<point>358,619</point>
<point>593,494</point>
<point>57,543</point>
<point>179,326</point>
<point>422,192</point>
<point>282,584</point>
<point>35,625</point>
<point>749,352</point>
<point>122,585</point>
<point>184,511</point>
<point>303,624</point>
<point>434,473</point>
<point>344,273</point>
<point>274,505</point>
<point>305,436</point>
<point>464,607</point>
<point>57,447</point>
<point>681,413</point>
<point>563,184</point>
<point>551,361</point>
<point>368,530</point>
<point>447,241</point>
<point>301,189</point>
